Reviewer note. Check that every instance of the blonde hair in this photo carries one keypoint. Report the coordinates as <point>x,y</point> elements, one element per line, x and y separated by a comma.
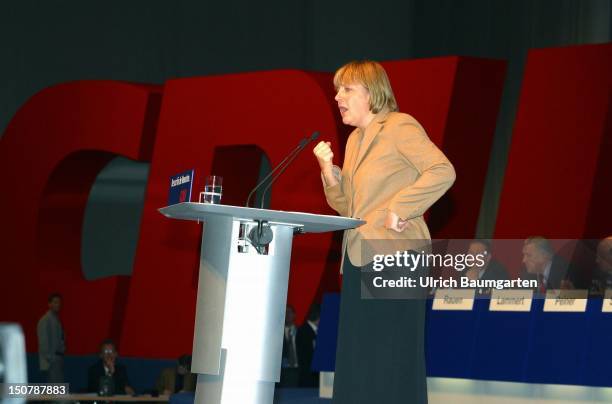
<point>373,77</point>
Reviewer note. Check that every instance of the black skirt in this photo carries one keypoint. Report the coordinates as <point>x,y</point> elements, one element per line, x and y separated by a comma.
<point>380,356</point>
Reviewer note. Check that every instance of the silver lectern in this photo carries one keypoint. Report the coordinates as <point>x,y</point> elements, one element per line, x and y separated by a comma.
<point>242,293</point>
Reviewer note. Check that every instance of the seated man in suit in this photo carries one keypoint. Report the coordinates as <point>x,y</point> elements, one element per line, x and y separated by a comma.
<point>542,264</point>
<point>491,270</point>
<point>106,376</point>
<point>289,376</point>
<point>305,341</point>
<point>177,379</point>
<point>602,274</point>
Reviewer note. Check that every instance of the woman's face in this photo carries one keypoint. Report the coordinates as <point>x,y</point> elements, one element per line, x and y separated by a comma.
<point>354,104</point>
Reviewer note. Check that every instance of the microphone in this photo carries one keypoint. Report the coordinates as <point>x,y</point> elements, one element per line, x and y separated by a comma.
<point>313,137</point>
<point>298,148</point>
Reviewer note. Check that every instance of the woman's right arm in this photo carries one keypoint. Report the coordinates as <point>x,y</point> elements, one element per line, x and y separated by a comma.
<point>333,192</point>
<point>331,176</point>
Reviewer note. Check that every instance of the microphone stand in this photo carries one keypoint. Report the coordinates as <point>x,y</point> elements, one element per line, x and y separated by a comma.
<point>299,147</point>
<point>313,137</point>
<point>262,235</point>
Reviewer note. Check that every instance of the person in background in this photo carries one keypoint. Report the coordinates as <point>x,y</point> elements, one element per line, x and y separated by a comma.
<point>491,270</point>
<point>392,173</point>
<point>542,264</point>
<point>51,343</point>
<point>178,378</point>
<point>289,365</point>
<point>106,376</point>
<point>306,340</point>
<point>602,275</point>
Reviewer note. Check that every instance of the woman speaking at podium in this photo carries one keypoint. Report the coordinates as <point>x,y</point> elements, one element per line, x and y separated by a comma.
<point>392,173</point>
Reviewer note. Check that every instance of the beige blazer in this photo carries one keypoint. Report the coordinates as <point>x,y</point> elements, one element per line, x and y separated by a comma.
<point>393,166</point>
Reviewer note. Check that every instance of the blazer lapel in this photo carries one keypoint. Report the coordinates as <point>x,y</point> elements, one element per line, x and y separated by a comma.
<point>371,131</point>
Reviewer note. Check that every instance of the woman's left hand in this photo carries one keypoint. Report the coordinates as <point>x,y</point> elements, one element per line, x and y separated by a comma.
<point>393,222</point>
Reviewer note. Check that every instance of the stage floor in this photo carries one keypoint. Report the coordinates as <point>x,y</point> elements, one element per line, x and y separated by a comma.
<point>461,391</point>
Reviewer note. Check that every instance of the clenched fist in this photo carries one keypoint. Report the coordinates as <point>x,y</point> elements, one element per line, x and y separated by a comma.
<point>324,155</point>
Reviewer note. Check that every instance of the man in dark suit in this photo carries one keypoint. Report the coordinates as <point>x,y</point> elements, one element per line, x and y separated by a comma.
<point>542,264</point>
<point>106,376</point>
<point>51,345</point>
<point>491,270</point>
<point>289,376</point>
<point>602,275</point>
<point>178,378</point>
<point>305,341</point>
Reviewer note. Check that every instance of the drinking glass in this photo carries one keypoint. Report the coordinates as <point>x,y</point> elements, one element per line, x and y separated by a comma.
<point>213,190</point>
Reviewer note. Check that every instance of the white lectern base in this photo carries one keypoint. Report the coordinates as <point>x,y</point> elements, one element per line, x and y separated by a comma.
<point>242,294</point>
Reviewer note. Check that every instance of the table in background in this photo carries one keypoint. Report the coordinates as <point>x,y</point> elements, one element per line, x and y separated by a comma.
<point>94,397</point>
<point>530,347</point>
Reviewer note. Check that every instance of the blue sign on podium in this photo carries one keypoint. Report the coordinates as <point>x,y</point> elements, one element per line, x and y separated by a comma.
<point>180,187</point>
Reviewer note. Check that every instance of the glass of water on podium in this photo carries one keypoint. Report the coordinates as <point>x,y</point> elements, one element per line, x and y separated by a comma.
<point>213,189</point>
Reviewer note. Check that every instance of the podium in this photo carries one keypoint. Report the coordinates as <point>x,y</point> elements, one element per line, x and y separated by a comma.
<point>242,295</point>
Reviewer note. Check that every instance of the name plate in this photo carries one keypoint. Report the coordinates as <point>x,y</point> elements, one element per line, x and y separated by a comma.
<point>606,306</point>
<point>511,300</point>
<point>180,187</point>
<point>567,301</point>
<point>453,299</point>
